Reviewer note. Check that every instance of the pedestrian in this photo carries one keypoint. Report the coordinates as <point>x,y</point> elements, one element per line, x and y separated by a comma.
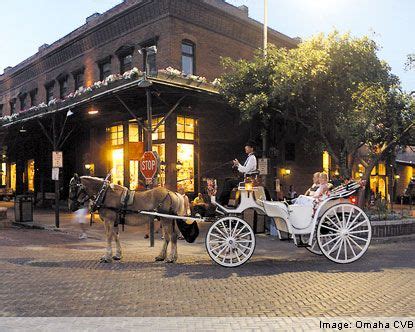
<point>81,217</point>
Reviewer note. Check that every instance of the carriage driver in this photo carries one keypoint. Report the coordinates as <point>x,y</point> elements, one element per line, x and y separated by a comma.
<point>249,167</point>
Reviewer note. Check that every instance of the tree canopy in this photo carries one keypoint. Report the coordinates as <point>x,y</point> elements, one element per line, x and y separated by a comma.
<point>335,86</point>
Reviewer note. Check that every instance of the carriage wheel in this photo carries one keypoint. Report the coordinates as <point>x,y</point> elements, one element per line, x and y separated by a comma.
<point>230,242</point>
<point>344,233</point>
<point>314,248</point>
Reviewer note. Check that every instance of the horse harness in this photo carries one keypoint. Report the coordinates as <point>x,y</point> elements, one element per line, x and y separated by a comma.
<point>127,199</point>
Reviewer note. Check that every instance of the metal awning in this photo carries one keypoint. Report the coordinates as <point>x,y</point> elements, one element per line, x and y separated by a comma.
<point>168,86</point>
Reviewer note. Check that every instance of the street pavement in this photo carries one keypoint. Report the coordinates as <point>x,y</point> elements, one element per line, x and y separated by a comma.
<point>53,273</point>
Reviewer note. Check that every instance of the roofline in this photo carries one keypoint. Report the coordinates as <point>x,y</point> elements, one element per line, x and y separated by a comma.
<point>115,11</point>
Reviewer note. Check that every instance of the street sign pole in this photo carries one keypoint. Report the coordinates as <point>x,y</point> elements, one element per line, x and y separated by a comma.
<point>150,148</point>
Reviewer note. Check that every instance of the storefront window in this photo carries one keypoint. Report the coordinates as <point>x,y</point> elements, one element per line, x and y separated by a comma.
<point>161,151</point>
<point>31,175</point>
<point>134,169</point>
<point>13,176</point>
<point>117,166</point>
<point>185,166</point>
<point>3,174</point>
<point>116,135</point>
<point>133,132</point>
<point>160,132</point>
<point>185,128</point>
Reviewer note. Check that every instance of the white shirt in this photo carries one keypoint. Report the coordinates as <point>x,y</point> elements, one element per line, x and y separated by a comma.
<point>249,166</point>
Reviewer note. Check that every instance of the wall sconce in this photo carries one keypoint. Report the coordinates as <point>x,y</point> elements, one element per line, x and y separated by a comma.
<point>286,171</point>
<point>22,130</point>
<point>397,177</point>
<point>336,172</point>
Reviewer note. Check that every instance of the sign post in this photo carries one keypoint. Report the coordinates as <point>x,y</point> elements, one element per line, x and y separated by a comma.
<point>57,163</point>
<point>149,165</point>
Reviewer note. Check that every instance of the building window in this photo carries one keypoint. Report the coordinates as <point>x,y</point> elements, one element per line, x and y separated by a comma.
<point>126,63</point>
<point>79,79</point>
<point>63,87</point>
<point>13,106</point>
<point>185,128</point>
<point>117,166</point>
<point>104,69</point>
<point>134,133</point>
<point>33,97</point>
<point>160,132</point>
<point>116,135</point>
<point>161,151</point>
<point>13,176</point>
<point>31,175</point>
<point>149,56</point>
<point>186,166</point>
<point>49,92</point>
<point>326,162</point>
<point>1,110</point>
<point>22,101</point>
<point>3,174</point>
<point>188,57</point>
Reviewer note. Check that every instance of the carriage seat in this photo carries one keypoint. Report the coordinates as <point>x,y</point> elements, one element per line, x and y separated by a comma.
<point>259,195</point>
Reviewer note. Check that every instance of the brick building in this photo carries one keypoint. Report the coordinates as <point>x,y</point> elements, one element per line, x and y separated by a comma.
<point>86,84</point>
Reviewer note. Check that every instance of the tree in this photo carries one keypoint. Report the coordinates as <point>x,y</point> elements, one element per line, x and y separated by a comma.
<point>335,86</point>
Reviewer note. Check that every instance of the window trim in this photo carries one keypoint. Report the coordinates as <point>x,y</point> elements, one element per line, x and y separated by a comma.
<point>101,63</point>
<point>188,42</point>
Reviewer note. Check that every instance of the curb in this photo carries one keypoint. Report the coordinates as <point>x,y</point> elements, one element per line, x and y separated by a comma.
<point>394,239</point>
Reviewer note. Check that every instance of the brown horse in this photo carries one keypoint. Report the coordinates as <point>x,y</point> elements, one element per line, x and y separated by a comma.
<point>85,188</point>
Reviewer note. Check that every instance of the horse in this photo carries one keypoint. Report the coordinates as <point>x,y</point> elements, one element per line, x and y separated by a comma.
<point>86,188</point>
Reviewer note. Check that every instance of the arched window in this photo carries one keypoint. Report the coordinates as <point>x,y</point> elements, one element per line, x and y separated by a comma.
<point>188,57</point>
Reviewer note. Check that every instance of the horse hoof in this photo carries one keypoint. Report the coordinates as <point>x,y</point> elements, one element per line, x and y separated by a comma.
<point>159,259</point>
<point>170,261</point>
<point>105,260</point>
<point>116,258</point>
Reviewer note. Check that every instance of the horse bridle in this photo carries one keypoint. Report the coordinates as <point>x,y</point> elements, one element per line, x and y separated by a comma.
<point>76,189</point>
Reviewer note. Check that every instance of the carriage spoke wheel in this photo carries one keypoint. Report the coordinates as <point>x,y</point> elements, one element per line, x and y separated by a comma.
<point>314,248</point>
<point>230,242</point>
<point>344,233</point>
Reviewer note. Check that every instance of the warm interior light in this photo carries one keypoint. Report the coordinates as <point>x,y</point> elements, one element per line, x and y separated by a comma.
<point>88,166</point>
<point>336,172</point>
<point>397,177</point>
<point>286,171</point>
<point>92,111</point>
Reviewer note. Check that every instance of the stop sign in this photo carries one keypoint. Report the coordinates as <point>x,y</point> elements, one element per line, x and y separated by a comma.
<point>149,165</point>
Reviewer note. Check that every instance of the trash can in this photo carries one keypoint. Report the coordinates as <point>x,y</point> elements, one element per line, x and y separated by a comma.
<point>23,208</point>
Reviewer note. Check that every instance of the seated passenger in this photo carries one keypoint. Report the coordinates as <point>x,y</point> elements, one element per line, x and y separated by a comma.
<point>319,194</point>
<point>314,187</point>
<point>199,206</point>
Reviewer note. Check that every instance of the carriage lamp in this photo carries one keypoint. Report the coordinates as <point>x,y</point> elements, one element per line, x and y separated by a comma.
<point>249,186</point>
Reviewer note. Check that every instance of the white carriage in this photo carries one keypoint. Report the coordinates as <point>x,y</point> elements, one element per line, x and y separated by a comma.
<point>335,228</point>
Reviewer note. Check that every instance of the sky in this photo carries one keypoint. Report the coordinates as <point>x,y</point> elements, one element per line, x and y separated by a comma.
<point>27,24</point>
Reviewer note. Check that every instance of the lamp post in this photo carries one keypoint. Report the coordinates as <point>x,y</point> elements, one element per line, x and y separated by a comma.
<point>146,84</point>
